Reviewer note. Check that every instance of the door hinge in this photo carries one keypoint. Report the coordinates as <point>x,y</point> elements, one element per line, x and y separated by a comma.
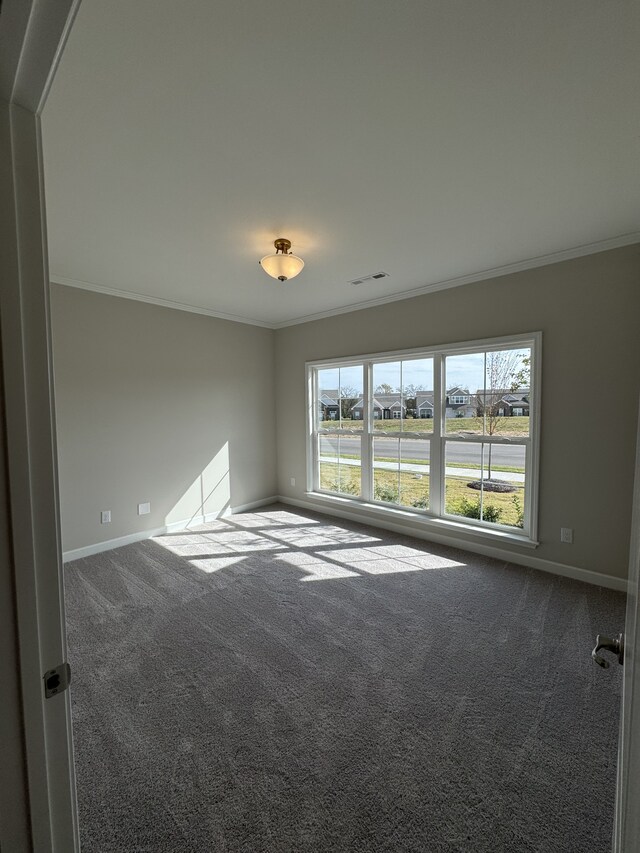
<point>57,680</point>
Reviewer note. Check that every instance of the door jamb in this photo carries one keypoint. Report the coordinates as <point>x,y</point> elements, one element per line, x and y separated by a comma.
<point>626,833</point>
<point>32,36</point>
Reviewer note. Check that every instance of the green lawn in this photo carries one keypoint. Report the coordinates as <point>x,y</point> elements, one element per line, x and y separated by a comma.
<point>408,490</point>
<point>472,426</point>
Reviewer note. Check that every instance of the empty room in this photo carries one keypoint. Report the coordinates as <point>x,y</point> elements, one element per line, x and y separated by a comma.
<point>321,377</point>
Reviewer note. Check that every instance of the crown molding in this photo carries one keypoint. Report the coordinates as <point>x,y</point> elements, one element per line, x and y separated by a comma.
<point>156,300</point>
<point>483,275</point>
<point>494,272</point>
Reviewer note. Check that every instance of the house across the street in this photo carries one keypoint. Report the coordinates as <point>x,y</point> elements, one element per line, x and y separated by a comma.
<point>385,407</point>
<point>424,406</point>
<point>460,403</point>
<point>329,406</point>
<point>503,402</point>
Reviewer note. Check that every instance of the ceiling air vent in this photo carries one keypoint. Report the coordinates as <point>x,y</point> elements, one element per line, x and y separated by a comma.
<point>364,278</point>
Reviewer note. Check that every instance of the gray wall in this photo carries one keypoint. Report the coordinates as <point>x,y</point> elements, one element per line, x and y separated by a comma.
<point>589,312</point>
<point>180,409</point>
<point>157,405</point>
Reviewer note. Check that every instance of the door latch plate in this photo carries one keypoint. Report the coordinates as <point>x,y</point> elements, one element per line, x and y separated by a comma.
<point>615,645</point>
<point>57,680</point>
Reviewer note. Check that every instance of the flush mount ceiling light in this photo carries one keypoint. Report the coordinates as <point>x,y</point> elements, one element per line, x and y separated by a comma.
<point>283,265</point>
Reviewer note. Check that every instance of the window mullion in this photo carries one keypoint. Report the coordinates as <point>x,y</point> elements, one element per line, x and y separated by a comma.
<point>482,478</point>
<point>366,446</point>
<point>313,480</point>
<point>436,455</point>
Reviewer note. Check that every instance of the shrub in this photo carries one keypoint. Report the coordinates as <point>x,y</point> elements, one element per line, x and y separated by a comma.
<point>386,492</point>
<point>519,511</point>
<point>422,502</point>
<point>491,513</point>
<point>344,488</point>
<point>471,509</point>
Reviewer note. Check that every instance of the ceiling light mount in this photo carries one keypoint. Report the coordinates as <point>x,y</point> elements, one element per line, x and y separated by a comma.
<point>282,245</point>
<point>283,265</point>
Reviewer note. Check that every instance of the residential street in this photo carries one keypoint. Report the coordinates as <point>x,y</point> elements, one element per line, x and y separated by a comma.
<point>510,476</point>
<point>508,455</point>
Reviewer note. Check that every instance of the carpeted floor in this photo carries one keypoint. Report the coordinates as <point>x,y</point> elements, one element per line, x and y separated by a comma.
<point>278,682</point>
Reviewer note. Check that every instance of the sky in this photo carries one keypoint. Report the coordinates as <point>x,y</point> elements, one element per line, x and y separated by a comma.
<point>465,371</point>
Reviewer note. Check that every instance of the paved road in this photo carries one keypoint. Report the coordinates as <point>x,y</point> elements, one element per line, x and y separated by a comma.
<point>473,473</point>
<point>456,451</point>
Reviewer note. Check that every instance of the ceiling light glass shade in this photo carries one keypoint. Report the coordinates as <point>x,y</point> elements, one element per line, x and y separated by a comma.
<point>282,267</point>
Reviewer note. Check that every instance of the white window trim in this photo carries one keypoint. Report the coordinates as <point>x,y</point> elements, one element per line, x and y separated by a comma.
<point>418,517</point>
<point>435,516</point>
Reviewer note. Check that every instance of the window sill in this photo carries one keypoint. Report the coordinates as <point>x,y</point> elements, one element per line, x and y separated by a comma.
<point>441,525</point>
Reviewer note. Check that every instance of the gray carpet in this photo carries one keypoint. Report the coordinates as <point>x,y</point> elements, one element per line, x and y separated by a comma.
<point>279,682</point>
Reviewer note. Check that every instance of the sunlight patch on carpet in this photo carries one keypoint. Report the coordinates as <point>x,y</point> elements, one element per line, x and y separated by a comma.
<point>215,565</point>
<point>315,568</point>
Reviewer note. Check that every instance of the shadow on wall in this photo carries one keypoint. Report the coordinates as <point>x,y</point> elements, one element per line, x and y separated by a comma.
<point>208,496</point>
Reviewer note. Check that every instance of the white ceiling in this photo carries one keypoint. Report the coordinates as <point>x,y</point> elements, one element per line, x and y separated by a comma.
<point>432,140</point>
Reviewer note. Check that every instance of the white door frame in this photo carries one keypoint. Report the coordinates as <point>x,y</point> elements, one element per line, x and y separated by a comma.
<point>627,822</point>
<point>39,812</point>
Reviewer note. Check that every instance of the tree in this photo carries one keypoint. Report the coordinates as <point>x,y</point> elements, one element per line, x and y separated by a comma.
<point>410,391</point>
<point>411,397</point>
<point>502,369</point>
<point>522,377</point>
<point>384,388</point>
<point>348,398</point>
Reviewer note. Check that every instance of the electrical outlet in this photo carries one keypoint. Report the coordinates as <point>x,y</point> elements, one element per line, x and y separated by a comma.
<point>144,509</point>
<point>105,516</point>
<point>293,481</point>
<point>566,535</point>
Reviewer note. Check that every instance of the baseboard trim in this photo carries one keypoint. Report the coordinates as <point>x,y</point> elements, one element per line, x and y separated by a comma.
<point>254,505</point>
<point>172,527</point>
<point>110,544</point>
<point>528,560</point>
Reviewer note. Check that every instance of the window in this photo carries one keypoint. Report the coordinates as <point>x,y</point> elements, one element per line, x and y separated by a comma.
<point>388,447</point>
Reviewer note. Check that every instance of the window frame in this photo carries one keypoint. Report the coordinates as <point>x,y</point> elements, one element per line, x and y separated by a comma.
<point>438,437</point>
